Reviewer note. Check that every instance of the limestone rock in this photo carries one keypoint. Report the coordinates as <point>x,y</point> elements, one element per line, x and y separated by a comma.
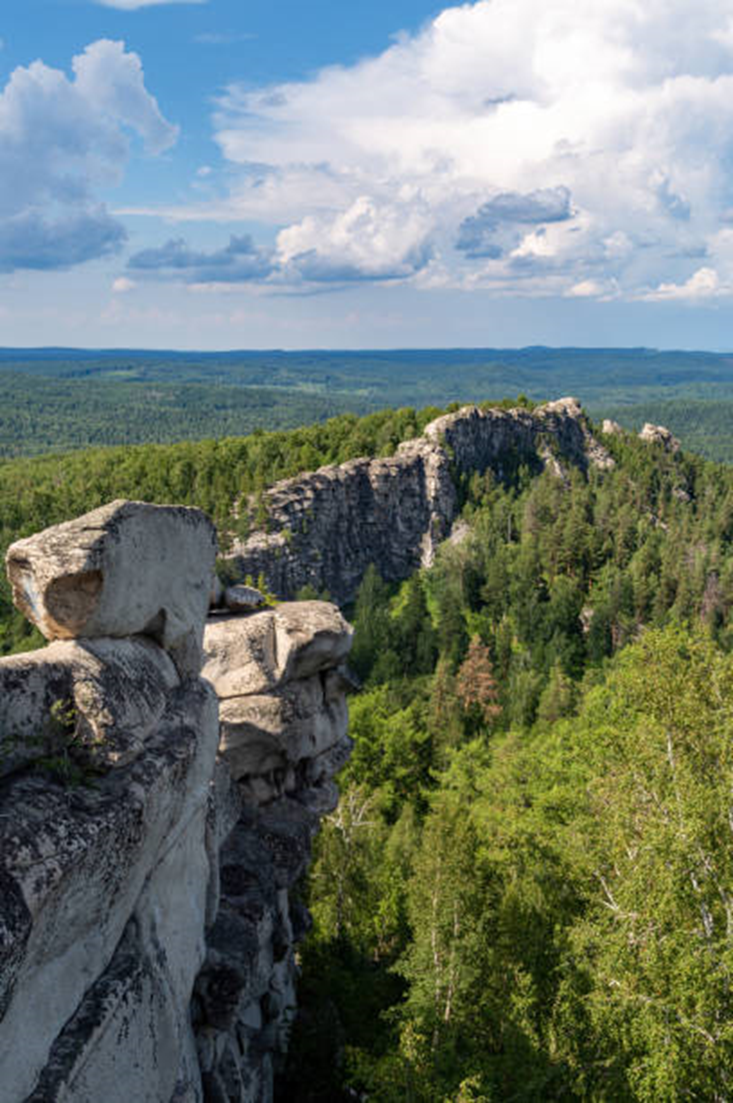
<point>326,527</point>
<point>659,434</point>
<point>310,636</point>
<point>611,427</point>
<point>126,568</point>
<point>103,697</point>
<point>254,654</point>
<point>262,734</point>
<point>81,863</point>
<point>147,947</point>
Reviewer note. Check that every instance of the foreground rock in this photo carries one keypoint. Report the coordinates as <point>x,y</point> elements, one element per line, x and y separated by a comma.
<point>126,568</point>
<point>147,848</point>
<point>104,697</point>
<point>326,527</point>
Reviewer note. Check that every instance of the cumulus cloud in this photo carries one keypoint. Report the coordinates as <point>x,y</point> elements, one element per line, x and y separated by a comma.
<point>543,145</point>
<point>367,241</point>
<point>28,240</point>
<point>497,224</point>
<point>63,138</point>
<point>703,284</point>
<point>239,261</point>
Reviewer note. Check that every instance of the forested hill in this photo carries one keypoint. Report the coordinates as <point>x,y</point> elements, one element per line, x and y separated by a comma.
<point>58,399</point>
<point>527,890</point>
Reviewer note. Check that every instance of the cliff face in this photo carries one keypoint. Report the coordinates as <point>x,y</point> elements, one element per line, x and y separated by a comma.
<point>147,845</point>
<point>325,528</point>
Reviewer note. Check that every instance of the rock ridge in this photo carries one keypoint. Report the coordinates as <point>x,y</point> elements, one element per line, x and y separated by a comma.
<point>324,528</point>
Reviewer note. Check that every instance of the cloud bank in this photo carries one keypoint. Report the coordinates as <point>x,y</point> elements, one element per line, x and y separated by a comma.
<point>60,140</point>
<point>526,146</point>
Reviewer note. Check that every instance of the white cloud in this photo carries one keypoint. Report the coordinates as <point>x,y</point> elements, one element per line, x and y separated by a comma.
<point>367,241</point>
<point>63,138</point>
<point>703,284</point>
<point>543,145</point>
<point>133,5</point>
<point>122,285</point>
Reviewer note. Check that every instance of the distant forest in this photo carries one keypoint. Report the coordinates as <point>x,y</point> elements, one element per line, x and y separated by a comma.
<point>55,400</point>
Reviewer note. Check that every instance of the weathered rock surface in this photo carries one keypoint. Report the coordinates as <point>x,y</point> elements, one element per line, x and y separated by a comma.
<point>253,654</point>
<point>283,706</point>
<point>326,527</point>
<point>242,599</point>
<point>124,569</point>
<point>105,696</point>
<point>146,846</point>
<point>83,863</point>
<point>659,434</point>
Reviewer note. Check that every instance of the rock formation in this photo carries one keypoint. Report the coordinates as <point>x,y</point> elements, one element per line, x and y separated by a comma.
<point>147,846</point>
<point>325,528</point>
<point>660,434</point>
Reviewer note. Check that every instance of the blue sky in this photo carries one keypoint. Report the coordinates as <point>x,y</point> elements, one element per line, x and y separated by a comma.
<point>232,173</point>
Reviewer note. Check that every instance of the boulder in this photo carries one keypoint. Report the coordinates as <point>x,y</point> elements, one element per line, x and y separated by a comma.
<point>242,599</point>
<point>310,636</point>
<point>239,654</point>
<point>611,427</point>
<point>255,654</point>
<point>126,568</point>
<point>272,732</point>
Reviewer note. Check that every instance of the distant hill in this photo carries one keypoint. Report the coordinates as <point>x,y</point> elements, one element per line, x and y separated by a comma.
<point>58,399</point>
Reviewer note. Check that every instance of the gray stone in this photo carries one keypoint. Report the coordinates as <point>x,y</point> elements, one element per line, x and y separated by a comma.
<point>659,434</point>
<point>255,654</point>
<point>146,944</point>
<point>265,733</point>
<point>242,599</point>
<point>126,568</point>
<point>326,527</point>
<point>83,862</point>
<point>101,696</point>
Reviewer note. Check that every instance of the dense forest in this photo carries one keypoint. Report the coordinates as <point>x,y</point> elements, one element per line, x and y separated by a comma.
<point>527,889</point>
<point>59,399</point>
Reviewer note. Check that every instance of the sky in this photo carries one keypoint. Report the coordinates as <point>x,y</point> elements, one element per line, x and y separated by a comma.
<point>218,174</point>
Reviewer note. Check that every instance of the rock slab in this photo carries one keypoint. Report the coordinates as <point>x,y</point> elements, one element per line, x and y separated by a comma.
<point>124,569</point>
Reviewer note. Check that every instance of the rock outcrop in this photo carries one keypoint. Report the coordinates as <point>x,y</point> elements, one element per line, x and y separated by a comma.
<point>123,569</point>
<point>660,434</point>
<point>325,528</point>
<point>148,844</point>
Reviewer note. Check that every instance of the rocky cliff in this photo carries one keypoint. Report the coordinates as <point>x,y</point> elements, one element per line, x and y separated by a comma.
<point>324,528</point>
<point>161,779</point>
